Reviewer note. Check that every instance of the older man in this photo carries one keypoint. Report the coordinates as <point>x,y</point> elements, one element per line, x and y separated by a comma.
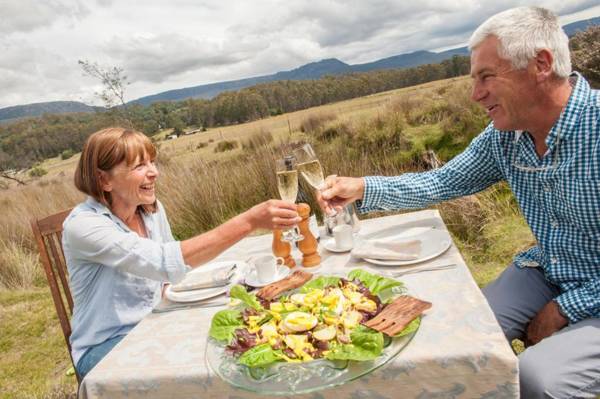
<point>544,140</point>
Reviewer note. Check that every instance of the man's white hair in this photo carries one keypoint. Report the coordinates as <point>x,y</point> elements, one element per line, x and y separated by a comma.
<point>523,32</point>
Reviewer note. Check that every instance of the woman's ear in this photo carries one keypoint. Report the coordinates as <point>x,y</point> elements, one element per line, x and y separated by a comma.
<point>105,182</point>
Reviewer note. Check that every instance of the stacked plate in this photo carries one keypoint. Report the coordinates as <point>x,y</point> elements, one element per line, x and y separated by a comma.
<point>430,241</point>
<point>184,291</point>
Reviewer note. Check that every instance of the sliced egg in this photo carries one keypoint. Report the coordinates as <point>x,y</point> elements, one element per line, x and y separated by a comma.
<point>299,322</point>
<point>367,305</point>
<point>298,299</point>
<point>325,334</point>
<point>269,330</point>
<point>351,319</point>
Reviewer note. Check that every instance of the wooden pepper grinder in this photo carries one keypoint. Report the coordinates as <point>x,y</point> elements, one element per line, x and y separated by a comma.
<point>308,246</point>
<point>282,249</point>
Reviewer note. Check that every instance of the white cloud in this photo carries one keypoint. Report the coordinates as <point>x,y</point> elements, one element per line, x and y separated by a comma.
<point>30,15</point>
<point>168,45</point>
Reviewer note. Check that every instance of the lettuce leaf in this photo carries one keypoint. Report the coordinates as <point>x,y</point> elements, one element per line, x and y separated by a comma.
<point>367,344</point>
<point>239,292</point>
<point>376,284</point>
<point>320,283</point>
<point>260,356</point>
<point>224,323</point>
<point>411,327</point>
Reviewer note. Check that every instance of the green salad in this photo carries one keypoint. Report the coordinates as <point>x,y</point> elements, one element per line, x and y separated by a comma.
<point>321,319</point>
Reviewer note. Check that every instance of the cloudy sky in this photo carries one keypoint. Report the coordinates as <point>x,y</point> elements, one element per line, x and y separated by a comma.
<point>165,45</point>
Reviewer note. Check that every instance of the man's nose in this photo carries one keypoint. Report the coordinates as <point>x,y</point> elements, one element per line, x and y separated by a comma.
<point>477,92</point>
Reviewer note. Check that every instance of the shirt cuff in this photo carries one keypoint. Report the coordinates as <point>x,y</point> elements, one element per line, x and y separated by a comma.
<point>175,265</point>
<point>373,194</point>
<point>570,305</point>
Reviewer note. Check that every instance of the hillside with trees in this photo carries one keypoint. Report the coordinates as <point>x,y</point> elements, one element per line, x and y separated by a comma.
<point>26,142</point>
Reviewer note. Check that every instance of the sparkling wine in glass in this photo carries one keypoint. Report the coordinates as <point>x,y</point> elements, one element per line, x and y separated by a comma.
<point>287,183</point>
<point>311,170</point>
<point>309,166</point>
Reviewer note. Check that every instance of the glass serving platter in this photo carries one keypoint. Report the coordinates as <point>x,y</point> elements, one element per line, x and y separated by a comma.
<point>284,378</point>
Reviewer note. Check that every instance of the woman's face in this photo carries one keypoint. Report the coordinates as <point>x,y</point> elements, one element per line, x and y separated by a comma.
<point>132,185</point>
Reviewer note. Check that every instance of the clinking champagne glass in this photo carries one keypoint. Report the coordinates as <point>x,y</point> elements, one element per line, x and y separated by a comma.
<point>310,168</point>
<point>287,183</point>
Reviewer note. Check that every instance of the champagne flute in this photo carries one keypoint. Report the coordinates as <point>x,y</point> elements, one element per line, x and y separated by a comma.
<point>309,166</point>
<point>311,170</point>
<point>287,183</point>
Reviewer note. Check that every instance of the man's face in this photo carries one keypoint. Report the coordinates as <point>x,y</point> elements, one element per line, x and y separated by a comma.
<point>505,93</point>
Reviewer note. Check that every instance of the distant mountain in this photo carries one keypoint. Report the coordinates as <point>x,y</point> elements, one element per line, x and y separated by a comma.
<point>313,70</point>
<point>37,109</point>
<point>332,66</point>
<point>578,26</point>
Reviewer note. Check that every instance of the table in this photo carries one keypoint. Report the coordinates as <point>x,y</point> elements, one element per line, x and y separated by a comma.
<point>459,351</point>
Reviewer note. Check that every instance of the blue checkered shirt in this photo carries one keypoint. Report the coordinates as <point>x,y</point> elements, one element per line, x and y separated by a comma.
<point>561,203</point>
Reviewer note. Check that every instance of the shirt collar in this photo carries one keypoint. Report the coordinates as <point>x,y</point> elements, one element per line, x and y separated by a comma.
<point>102,209</point>
<point>569,118</point>
<point>98,206</point>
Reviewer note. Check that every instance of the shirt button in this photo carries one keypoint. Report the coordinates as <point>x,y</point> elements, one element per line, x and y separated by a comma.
<point>547,188</point>
<point>553,260</point>
<point>554,223</point>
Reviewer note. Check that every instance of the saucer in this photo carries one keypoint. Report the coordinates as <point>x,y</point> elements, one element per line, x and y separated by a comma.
<point>252,279</point>
<point>330,246</point>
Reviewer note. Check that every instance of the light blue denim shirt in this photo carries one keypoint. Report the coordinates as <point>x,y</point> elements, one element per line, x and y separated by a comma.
<point>115,275</point>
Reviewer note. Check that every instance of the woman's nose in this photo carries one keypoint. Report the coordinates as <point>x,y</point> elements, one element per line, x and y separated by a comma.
<point>152,169</point>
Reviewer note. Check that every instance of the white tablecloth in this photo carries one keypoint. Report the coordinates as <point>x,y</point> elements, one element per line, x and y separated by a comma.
<point>458,352</point>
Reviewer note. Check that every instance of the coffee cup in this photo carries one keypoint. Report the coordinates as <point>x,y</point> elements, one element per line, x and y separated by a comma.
<point>266,267</point>
<point>342,234</point>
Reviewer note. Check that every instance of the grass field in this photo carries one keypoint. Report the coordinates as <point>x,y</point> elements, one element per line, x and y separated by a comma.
<point>379,134</point>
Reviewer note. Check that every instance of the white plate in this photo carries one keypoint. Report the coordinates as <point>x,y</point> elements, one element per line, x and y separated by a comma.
<point>252,280</point>
<point>433,243</point>
<point>205,293</point>
<point>330,246</point>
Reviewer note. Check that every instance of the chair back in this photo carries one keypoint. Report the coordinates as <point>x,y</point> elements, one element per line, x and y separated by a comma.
<point>48,235</point>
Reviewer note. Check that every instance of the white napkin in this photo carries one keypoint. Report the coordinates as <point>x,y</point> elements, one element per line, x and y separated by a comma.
<point>198,279</point>
<point>388,250</point>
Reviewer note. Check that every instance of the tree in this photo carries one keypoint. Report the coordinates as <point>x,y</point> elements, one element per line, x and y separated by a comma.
<point>585,54</point>
<point>114,81</point>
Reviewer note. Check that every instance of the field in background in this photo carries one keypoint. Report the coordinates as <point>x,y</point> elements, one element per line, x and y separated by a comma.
<point>204,183</point>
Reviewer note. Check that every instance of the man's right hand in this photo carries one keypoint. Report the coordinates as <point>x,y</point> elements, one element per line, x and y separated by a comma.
<point>339,191</point>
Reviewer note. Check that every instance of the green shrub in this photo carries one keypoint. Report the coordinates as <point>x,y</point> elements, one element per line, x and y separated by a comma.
<point>332,132</point>
<point>315,122</point>
<point>226,145</point>
<point>201,144</point>
<point>37,171</point>
<point>257,140</point>
<point>66,154</point>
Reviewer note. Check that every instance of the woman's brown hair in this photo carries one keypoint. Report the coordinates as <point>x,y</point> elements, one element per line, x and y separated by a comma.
<point>104,150</point>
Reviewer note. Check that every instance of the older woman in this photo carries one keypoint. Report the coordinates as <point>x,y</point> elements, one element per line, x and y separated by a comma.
<point>119,247</point>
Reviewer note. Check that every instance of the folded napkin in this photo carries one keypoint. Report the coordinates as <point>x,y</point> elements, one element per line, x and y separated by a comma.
<point>198,279</point>
<point>388,250</point>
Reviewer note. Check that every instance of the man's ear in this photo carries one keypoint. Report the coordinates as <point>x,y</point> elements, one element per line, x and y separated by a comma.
<point>543,65</point>
<point>104,181</point>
